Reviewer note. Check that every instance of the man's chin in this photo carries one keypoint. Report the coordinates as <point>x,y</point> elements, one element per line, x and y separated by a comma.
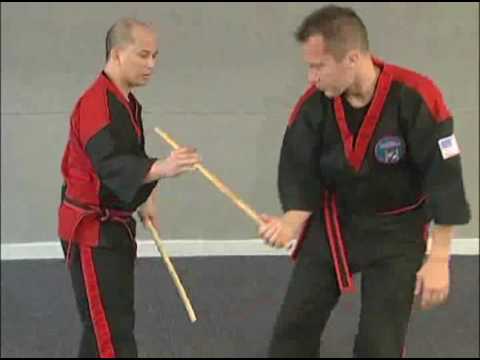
<point>328,94</point>
<point>331,94</point>
<point>142,82</point>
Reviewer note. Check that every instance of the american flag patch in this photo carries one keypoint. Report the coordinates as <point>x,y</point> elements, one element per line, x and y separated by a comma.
<point>448,146</point>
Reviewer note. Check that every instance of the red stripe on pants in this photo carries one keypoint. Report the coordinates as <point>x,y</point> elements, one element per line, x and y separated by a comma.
<point>97,311</point>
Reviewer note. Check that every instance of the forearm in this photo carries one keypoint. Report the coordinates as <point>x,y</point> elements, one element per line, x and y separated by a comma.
<point>441,241</point>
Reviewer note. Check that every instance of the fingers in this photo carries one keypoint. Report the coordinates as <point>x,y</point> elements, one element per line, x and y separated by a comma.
<point>438,297</point>
<point>433,297</point>
<point>185,152</point>
<point>272,231</point>
<point>426,302</point>
<point>262,230</point>
<point>291,246</point>
<point>180,166</point>
<point>151,220</point>
<point>186,159</point>
<point>146,220</point>
<point>272,237</point>
<point>269,222</point>
<point>266,218</point>
<point>155,223</point>
<point>275,239</point>
<point>418,285</point>
<point>186,166</point>
<point>157,227</point>
<point>266,232</point>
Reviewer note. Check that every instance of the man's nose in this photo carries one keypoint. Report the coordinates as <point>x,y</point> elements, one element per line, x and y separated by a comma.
<point>151,63</point>
<point>313,77</point>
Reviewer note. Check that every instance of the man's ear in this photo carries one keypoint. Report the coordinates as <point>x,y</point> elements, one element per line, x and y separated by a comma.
<point>116,55</point>
<point>352,58</point>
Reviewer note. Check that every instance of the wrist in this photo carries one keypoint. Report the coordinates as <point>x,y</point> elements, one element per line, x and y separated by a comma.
<point>438,258</point>
<point>159,170</point>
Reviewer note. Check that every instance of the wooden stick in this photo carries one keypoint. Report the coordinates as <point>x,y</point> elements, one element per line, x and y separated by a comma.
<point>173,273</point>
<point>217,182</point>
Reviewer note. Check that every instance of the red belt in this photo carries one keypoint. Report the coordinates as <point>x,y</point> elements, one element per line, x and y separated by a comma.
<point>94,211</point>
<point>337,245</point>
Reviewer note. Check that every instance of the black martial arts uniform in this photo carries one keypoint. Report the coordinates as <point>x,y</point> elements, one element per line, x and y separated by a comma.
<point>104,167</point>
<point>373,178</point>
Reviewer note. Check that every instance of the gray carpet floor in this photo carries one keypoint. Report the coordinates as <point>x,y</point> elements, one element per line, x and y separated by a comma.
<point>236,300</point>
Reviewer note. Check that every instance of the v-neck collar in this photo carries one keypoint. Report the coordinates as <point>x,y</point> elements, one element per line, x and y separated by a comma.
<point>126,102</point>
<point>356,154</point>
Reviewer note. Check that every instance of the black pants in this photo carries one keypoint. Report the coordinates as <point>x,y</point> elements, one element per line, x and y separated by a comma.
<point>103,282</point>
<point>387,287</point>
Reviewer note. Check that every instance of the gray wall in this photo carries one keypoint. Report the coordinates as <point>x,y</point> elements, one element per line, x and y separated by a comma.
<point>226,80</point>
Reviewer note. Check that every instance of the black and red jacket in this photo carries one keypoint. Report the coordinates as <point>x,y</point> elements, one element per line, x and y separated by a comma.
<point>397,166</point>
<point>104,164</point>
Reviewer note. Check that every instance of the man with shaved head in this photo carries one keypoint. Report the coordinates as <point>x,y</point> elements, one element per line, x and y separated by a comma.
<point>107,177</point>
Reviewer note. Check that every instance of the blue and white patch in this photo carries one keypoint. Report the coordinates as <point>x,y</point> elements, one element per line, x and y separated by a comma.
<point>390,149</point>
<point>449,146</point>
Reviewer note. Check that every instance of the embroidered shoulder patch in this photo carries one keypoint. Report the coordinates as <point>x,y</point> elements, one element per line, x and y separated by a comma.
<point>448,146</point>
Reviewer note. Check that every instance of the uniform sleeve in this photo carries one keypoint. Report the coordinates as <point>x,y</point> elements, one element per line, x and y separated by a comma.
<point>121,167</point>
<point>435,152</point>
<point>299,182</point>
